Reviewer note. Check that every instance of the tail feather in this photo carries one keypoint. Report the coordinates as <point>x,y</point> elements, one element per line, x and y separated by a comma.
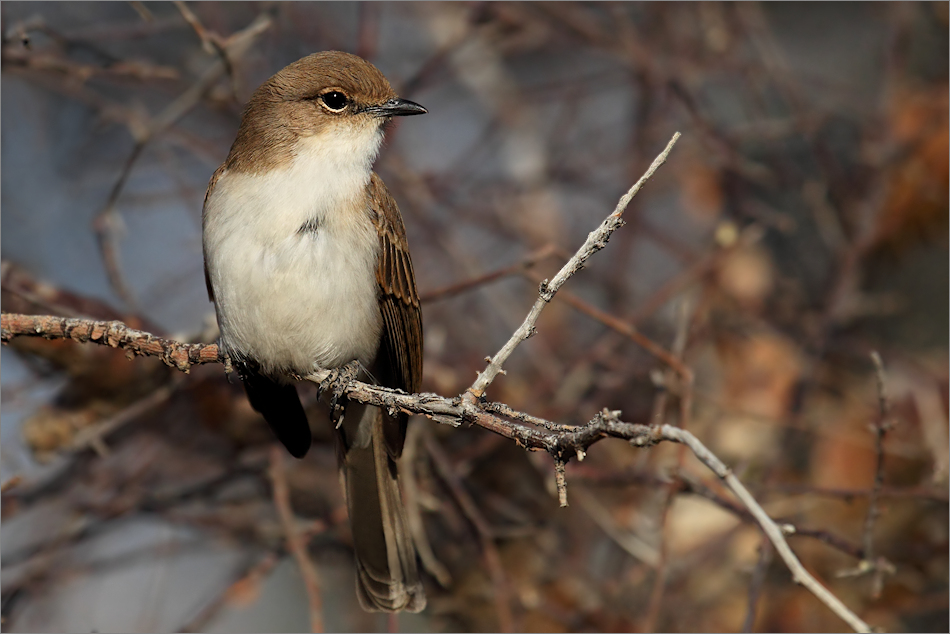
<point>280,406</point>
<point>387,574</point>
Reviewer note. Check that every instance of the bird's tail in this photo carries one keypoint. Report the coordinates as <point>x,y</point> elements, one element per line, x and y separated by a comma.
<point>387,574</point>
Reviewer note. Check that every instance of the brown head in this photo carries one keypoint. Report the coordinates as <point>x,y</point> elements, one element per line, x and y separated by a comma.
<point>325,92</point>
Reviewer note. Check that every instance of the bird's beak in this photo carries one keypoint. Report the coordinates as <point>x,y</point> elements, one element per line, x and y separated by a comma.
<point>396,108</point>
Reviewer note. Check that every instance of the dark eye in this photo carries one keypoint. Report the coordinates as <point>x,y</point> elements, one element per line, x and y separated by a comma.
<point>335,101</point>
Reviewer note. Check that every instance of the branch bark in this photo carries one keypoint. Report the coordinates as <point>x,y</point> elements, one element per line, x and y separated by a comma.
<point>114,334</point>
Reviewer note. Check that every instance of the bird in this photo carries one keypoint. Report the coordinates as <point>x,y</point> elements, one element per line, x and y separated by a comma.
<point>307,264</point>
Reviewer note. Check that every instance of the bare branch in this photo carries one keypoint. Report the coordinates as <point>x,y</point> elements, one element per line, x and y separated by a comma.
<point>295,543</point>
<point>107,223</point>
<point>410,488</point>
<point>10,483</point>
<point>757,583</point>
<point>114,334</point>
<point>561,445</point>
<point>771,529</point>
<point>485,533</point>
<point>596,241</point>
<point>526,263</point>
<point>880,429</point>
<point>878,567</point>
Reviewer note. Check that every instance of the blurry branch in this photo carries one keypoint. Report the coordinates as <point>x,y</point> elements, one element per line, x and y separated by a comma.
<point>250,579</point>
<point>94,436</point>
<point>869,564</point>
<point>296,544</point>
<point>10,483</point>
<point>561,442</point>
<point>142,10</point>
<point>107,223</point>
<point>757,583</point>
<point>932,494</point>
<point>19,58</point>
<point>212,43</point>
<point>663,380</point>
<point>684,483</point>
<point>19,53</point>
<point>443,466</point>
<point>22,293</point>
<point>412,496</point>
<point>633,545</point>
<point>728,240</point>
<point>880,429</point>
<point>524,265</point>
<point>20,31</point>
<point>623,328</point>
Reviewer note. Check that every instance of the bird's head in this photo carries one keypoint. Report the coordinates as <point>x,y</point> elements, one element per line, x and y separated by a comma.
<point>325,95</point>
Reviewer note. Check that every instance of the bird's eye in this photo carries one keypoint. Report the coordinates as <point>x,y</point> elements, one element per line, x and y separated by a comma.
<point>335,101</point>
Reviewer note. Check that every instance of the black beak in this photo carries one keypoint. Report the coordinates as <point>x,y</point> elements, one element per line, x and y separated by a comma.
<point>397,108</point>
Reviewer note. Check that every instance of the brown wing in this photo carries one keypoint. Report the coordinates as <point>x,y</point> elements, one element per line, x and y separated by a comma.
<point>399,362</point>
<point>204,210</point>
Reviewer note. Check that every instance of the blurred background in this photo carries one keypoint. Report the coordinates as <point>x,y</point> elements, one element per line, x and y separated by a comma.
<point>799,224</point>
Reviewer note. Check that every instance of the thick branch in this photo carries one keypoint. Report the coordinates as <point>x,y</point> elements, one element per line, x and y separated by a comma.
<point>115,334</point>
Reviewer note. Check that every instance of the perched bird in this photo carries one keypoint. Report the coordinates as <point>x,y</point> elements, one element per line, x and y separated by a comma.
<point>308,267</point>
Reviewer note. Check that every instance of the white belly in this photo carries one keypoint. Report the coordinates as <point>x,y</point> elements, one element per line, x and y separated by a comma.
<point>293,300</point>
<point>308,301</point>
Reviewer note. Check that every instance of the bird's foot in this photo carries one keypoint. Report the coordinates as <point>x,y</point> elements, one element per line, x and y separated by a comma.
<point>337,381</point>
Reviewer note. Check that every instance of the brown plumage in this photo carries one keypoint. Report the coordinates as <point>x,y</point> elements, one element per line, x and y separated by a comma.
<point>398,365</point>
<point>258,215</point>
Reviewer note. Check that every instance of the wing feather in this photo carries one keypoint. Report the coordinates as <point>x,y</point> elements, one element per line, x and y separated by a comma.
<point>399,362</point>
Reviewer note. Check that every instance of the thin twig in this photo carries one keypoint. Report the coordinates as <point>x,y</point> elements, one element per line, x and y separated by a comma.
<point>771,529</point>
<point>107,223</point>
<point>662,568</point>
<point>410,488</point>
<point>880,428</point>
<point>458,288</point>
<point>757,583</point>
<point>877,567</point>
<point>485,533</point>
<point>596,241</point>
<point>295,543</point>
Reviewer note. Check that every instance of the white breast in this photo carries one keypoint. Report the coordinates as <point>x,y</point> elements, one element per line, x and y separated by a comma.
<point>293,299</point>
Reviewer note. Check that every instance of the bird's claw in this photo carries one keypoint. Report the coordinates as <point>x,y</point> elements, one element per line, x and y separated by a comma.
<point>337,381</point>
